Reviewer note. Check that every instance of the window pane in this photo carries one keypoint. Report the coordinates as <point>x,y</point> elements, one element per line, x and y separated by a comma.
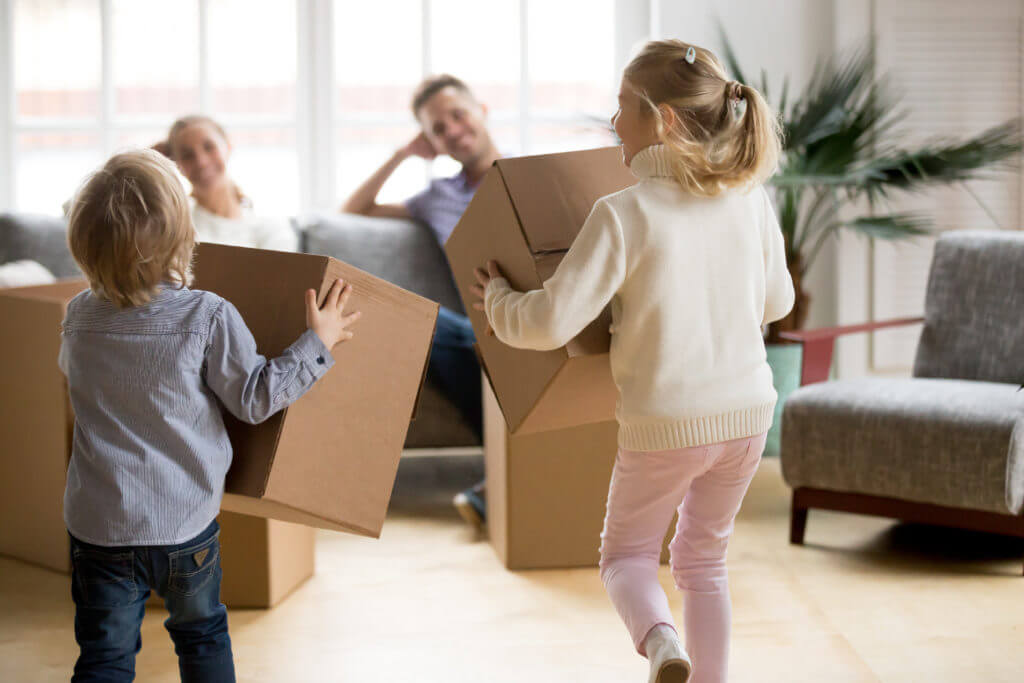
<point>375,75</point>
<point>479,43</point>
<point>547,138</point>
<point>143,137</point>
<point>265,165</point>
<point>576,77</point>
<point>155,57</point>
<point>361,151</point>
<point>506,136</point>
<point>253,56</point>
<point>57,58</point>
<point>49,167</point>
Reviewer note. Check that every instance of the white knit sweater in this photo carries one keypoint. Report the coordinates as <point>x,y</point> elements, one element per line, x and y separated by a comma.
<point>691,282</point>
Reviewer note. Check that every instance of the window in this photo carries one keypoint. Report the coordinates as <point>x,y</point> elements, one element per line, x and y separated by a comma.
<point>313,93</point>
<point>127,68</point>
<point>958,69</point>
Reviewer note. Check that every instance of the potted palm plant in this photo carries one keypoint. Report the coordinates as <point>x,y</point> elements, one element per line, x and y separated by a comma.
<point>841,153</point>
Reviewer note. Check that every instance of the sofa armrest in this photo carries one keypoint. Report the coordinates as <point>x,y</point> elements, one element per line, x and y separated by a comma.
<point>39,238</point>
<point>818,345</point>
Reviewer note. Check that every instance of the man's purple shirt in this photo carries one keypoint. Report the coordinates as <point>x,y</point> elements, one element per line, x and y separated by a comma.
<point>442,204</point>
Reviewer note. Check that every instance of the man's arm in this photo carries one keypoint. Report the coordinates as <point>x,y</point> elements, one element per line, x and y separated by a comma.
<point>364,199</point>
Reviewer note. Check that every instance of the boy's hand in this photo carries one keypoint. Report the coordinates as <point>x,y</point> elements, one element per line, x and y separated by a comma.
<point>483,278</point>
<point>329,321</point>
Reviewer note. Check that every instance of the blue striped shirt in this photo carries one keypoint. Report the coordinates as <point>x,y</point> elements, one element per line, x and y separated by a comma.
<point>147,385</point>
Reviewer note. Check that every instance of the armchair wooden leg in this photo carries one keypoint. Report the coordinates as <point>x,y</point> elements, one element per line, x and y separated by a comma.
<point>797,523</point>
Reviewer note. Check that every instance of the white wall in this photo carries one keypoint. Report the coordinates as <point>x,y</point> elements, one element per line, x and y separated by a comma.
<point>782,37</point>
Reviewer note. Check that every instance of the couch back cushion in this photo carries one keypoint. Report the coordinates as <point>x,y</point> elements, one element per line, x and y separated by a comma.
<point>974,308</point>
<point>400,251</point>
<point>38,238</point>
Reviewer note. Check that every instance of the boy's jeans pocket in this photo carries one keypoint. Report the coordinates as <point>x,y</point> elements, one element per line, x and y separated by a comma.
<point>191,569</point>
<point>102,578</point>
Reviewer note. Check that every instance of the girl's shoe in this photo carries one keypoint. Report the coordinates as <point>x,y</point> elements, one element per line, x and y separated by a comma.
<point>669,661</point>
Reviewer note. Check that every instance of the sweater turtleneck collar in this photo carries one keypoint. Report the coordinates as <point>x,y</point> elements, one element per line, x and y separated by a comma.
<point>652,162</point>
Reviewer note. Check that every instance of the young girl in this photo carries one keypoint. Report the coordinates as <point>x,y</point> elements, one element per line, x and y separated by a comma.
<point>693,263</point>
<point>221,213</point>
<point>149,364</point>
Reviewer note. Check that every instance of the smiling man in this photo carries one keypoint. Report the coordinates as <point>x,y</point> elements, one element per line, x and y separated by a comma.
<point>453,123</point>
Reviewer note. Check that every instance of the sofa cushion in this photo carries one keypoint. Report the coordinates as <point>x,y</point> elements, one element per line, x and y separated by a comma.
<point>946,442</point>
<point>39,238</point>
<point>24,273</point>
<point>400,251</point>
<point>974,308</point>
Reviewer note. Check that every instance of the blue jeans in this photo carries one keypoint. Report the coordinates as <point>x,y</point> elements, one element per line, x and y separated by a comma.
<point>110,587</point>
<point>454,367</point>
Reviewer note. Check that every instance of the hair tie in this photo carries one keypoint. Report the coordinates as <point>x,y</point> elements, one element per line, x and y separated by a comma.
<point>691,55</point>
<point>735,100</point>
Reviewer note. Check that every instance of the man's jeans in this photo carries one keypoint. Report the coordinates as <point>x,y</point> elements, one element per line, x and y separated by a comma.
<point>110,587</point>
<point>454,366</point>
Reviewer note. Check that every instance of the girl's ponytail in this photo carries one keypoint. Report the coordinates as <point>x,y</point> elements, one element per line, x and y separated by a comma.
<point>722,135</point>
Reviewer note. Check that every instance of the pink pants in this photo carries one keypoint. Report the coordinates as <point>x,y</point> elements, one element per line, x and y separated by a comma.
<point>706,484</point>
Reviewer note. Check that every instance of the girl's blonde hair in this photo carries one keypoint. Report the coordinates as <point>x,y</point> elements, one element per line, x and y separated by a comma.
<point>130,228</point>
<point>723,135</point>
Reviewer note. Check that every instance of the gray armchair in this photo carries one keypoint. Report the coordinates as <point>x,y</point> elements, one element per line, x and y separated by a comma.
<point>945,446</point>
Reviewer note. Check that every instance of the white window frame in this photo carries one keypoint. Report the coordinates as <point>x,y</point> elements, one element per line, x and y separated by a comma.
<point>315,116</point>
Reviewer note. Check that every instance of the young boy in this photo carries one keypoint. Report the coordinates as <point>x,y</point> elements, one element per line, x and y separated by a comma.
<point>149,364</point>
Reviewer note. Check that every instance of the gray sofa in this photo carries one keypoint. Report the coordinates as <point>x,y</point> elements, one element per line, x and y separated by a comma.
<point>945,446</point>
<point>400,251</point>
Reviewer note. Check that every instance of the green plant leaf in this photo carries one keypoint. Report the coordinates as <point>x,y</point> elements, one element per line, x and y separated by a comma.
<point>894,226</point>
<point>943,162</point>
<point>836,86</point>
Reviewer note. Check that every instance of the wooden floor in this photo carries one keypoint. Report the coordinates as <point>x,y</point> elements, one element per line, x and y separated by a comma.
<point>865,600</point>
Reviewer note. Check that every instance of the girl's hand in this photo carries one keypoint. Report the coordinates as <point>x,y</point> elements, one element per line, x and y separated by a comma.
<point>421,147</point>
<point>483,278</point>
<point>329,321</point>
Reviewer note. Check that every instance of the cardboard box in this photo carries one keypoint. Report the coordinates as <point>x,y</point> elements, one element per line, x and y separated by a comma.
<point>547,492</point>
<point>330,459</point>
<point>526,214</point>
<point>35,424</point>
<point>264,560</point>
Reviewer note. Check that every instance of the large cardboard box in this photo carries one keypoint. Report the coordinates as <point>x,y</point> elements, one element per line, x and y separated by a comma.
<point>526,214</point>
<point>264,560</point>
<point>35,424</point>
<point>330,459</point>
<point>546,492</point>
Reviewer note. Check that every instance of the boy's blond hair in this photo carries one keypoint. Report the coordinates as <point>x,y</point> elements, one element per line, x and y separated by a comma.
<point>130,228</point>
<point>724,135</point>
